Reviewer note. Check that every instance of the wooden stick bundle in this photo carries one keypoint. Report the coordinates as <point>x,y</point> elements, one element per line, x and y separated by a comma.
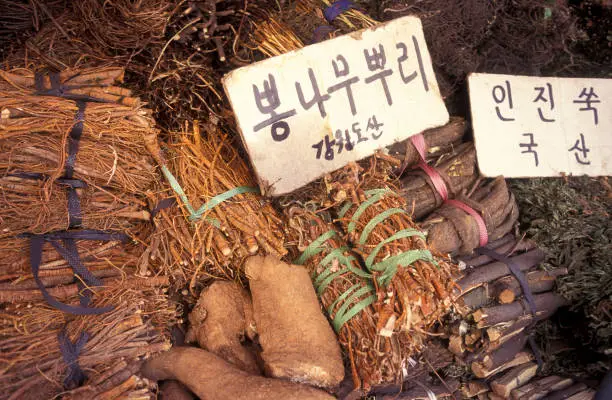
<point>216,242</point>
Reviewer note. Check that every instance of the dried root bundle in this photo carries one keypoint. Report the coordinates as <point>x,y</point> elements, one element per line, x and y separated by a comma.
<point>135,328</point>
<point>335,271</point>
<point>35,125</point>
<point>457,169</point>
<point>39,206</point>
<point>452,230</point>
<point>215,241</point>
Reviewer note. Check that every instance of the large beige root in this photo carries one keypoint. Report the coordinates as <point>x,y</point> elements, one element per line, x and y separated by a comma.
<point>220,321</point>
<point>298,342</point>
<point>209,377</point>
<point>173,390</point>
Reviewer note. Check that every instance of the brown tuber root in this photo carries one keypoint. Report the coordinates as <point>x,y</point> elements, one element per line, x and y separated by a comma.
<point>220,320</point>
<point>173,390</point>
<point>298,342</point>
<point>209,377</point>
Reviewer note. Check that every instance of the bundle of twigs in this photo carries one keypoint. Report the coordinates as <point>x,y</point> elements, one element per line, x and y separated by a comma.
<point>451,229</point>
<point>493,317</point>
<point>412,285</point>
<point>35,122</point>
<point>32,360</point>
<point>212,241</point>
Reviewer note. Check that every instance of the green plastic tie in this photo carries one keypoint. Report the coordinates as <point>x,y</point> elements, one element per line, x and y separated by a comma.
<point>404,233</point>
<point>343,315</point>
<point>375,221</point>
<point>315,247</point>
<point>374,196</point>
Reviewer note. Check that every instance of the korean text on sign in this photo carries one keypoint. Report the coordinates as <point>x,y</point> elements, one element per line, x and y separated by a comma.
<point>534,126</point>
<point>311,111</point>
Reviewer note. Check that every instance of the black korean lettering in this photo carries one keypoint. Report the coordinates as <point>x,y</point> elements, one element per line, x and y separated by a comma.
<point>267,102</point>
<point>339,140</point>
<point>407,78</point>
<point>319,147</point>
<point>529,148</point>
<point>317,98</point>
<point>341,69</point>
<point>329,148</point>
<point>590,98</point>
<point>357,131</point>
<point>374,125</point>
<point>580,147</point>
<point>541,97</point>
<point>376,61</point>
<point>348,144</point>
<point>500,94</point>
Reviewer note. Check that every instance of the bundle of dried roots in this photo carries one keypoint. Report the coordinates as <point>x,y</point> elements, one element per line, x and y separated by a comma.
<point>35,125</point>
<point>33,364</point>
<point>411,284</point>
<point>452,230</point>
<point>211,242</point>
<point>39,205</point>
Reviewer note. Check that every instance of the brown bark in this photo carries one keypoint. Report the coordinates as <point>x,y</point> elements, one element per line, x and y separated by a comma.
<point>481,371</point>
<point>538,282</point>
<point>500,332</point>
<point>474,388</point>
<point>505,353</point>
<point>546,304</point>
<point>567,392</point>
<point>497,269</point>
<point>540,388</point>
<point>514,378</point>
<point>588,394</point>
<point>209,377</point>
<point>456,345</point>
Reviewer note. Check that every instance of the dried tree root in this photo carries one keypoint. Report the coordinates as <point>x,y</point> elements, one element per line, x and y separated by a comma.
<point>209,377</point>
<point>458,171</point>
<point>298,343</point>
<point>452,230</point>
<point>219,322</point>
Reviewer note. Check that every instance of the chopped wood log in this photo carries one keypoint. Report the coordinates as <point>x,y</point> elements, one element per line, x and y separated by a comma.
<point>497,333</point>
<point>493,396</point>
<point>567,392</point>
<point>538,281</point>
<point>504,353</point>
<point>546,304</point>
<point>483,396</point>
<point>481,371</point>
<point>474,388</point>
<point>421,392</point>
<point>516,377</point>
<point>472,337</point>
<point>492,271</point>
<point>540,388</point>
<point>586,395</point>
<point>506,296</point>
<point>505,245</point>
<point>456,346</point>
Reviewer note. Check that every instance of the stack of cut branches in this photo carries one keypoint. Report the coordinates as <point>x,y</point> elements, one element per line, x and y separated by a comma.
<point>220,218</point>
<point>31,336</point>
<point>493,316</point>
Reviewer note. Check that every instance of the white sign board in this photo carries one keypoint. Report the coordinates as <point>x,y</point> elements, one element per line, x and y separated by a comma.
<point>534,126</point>
<point>311,111</point>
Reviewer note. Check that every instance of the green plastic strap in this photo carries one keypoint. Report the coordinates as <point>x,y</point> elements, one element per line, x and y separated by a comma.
<point>177,189</point>
<point>220,198</point>
<point>389,265</point>
<point>322,280</point>
<point>404,233</point>
<point>344,209</point>
<point>361,209</point>
<point>344,314</point>
<point>315,247</point>
<point>375,221</point>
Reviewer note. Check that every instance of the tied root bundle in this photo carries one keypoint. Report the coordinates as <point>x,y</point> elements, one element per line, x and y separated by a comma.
<point>75,122</point>
<point>133,329</point>
<point>220,218</point>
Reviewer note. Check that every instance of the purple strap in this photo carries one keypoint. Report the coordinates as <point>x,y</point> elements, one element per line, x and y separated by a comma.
<point>69,252</point>
<point>70,353</point>
<point>59,90</point>
<point>338,7</point>
<point>522,280</point>
<point>74,205</point>
<point>162,205</point>
<point>320,32</point>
